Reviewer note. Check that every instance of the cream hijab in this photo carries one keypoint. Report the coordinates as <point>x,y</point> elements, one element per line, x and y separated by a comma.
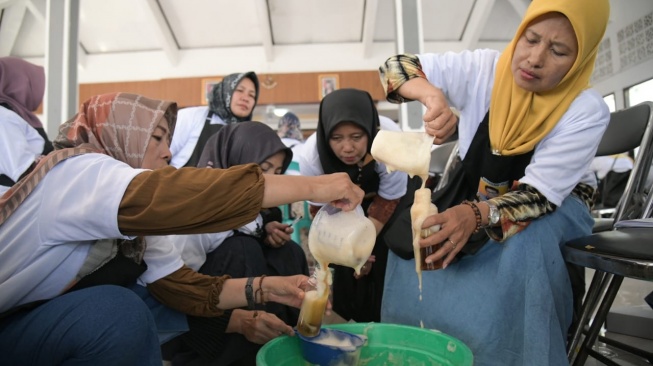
<point>519,119</point>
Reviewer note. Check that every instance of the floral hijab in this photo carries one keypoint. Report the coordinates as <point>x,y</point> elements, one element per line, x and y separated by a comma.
<point>345,105</point>
<point>243,143</point>
<point>222,92</point>
<point>289,127</point>
<point>22,86</point>
<point>117,124</point>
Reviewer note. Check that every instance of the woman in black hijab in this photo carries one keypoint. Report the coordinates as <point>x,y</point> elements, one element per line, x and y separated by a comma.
<point>262,247</point>
<point>347,125</point>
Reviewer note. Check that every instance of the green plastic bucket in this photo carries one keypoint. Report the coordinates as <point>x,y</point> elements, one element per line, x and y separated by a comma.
<point>387,344</point>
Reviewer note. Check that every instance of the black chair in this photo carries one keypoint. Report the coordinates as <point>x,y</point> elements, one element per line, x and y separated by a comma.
<point>621,251</point>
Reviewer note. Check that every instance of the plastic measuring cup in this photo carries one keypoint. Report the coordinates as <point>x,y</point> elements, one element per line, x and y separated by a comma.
<point>339,237</point>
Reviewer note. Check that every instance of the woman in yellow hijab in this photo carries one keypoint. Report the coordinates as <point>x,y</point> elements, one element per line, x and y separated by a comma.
<point>528,129</point>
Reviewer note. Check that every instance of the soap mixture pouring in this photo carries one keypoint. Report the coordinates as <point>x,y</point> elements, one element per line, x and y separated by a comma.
<point>410,152</point>
<point>335,237</point>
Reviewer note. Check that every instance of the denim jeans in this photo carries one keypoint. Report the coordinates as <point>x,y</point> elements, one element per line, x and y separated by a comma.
<point>101,325</point>
<point>511,302</point>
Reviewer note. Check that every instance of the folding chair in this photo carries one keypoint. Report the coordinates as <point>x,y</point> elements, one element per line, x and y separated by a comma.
<point>620,251</point>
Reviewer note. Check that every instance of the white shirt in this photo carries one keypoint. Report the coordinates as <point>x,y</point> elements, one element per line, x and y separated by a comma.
<point>391,186</point>
<point>166,254</point>
<point>20,145</point>
<point>190,122</point>
<point>602,165</point>
<point>46,240</point>
<point>561,160</point>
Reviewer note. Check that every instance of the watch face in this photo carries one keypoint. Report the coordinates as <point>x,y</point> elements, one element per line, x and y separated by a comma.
<point>494,215</point>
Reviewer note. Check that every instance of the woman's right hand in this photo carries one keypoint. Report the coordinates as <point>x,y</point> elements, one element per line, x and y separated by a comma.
<point>259,327</point>
<point>439,121</point>
<point>339,190</point>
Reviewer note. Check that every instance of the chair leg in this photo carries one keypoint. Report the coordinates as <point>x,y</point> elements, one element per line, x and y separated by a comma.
<point>634,350</point>
<point>597,287</point>
<point>599,319</point>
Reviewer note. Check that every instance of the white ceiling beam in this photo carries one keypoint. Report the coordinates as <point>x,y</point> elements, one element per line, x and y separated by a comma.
<point>369,23</point>
<point>7,3</point>
<point>263,15</point>
<point>476,23</point>
<point>520,6</point>
<point>37,10</point>
<point>12,19</point>
<point>165,33</point>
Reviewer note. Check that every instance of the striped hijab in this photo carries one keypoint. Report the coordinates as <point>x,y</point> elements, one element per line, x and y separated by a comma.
<point>117,124</point>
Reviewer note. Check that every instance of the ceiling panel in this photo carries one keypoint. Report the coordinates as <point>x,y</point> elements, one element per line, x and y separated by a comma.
<point>445,20</point>
<point>316,21</point>
<point>30,41</point>
<point>385,29</point>
<point>116,26</point>
<point>212,23</point>
<point>502,23</point>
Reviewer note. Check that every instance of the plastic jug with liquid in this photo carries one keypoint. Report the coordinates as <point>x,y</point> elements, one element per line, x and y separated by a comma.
<point>408,152</point>
<point>341,237</point>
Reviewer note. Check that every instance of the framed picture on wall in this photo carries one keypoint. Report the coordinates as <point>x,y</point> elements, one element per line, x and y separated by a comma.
<point>207,86</point>
<point>327,83</point>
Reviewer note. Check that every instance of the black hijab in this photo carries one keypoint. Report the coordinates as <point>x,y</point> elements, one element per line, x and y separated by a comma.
<point>345,105</point>
<point>243,143</point>
<point>220,98</point>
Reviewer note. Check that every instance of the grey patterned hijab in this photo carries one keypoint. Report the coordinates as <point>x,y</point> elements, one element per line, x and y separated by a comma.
<point>220,98</point>
<point>243,143</point>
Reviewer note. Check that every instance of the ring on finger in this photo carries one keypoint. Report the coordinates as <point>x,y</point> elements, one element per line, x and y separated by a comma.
<point>453,245</point>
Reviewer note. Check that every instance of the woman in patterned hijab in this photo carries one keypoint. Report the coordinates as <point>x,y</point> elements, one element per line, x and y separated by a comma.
<point>221,100</point>
<point>290,128</point>
<point>101,125</point>
<point>67,230</point>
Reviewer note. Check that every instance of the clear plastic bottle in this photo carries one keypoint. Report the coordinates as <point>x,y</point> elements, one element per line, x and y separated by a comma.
<point>314,304</point>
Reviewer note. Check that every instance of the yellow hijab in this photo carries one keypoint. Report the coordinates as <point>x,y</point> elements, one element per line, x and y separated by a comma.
<point>519,119</point>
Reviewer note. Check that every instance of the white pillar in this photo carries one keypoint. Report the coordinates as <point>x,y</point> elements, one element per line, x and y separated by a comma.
<point>61,94</point>
<point>410,39</point>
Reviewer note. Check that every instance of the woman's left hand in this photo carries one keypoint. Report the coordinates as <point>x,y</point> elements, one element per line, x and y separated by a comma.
<point>286,290</point>
<point>277,234</point>
<point>367,267</point>
<point>456,226</point>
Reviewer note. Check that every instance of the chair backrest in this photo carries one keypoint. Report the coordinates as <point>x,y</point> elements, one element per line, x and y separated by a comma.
<point>625,130</point>
<point>628,129</point>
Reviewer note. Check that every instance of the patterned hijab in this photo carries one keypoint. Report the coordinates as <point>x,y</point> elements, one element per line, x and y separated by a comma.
<point>519,119</point>
<point>119,125</point>
<point>22,86</point>
<point>243,143</point>
<point>220,98</point>
<point>289,127</point>
<point>345,105</point>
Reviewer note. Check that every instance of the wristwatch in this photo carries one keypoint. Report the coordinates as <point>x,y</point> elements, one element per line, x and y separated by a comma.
<point>493,216</point>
